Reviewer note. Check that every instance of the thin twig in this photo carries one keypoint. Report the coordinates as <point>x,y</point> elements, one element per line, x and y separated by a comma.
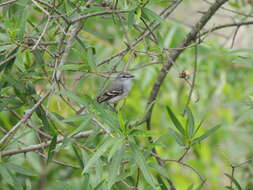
<point>25,117</point>
<point>184,154</point>
<point>227,26</point>
<point>190,37</point>
<point>30,148</point>
<point>42,34</point>
<point>234,36</point>
<point>230,10</point>
<point>7,2</point>
<point>43,155</point>
<point>165,13</point>
<point>179,162</point>
<point>41,8</point>
<point>8,59</point>
<point>193,80</point>
<point>97,14</point>
<point>67,48</point>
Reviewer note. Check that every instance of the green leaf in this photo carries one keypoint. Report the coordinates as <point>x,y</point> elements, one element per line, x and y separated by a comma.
<point>160,40</point>
<point>72,67</point>
<point>38,57</point>
<point>201,185</point>
<point>22,22</point>
<point>82,117</point>
<point>91,58</point>
<point>141,132</point>
<point>97,187</point>
<point>141,162</point>
<point>78,156</point>
<point>131,18</point>
<point>152,14</point>
<point>175,121</point>
<point>138,15</point>
<point>161,170</point>
<point>84,124</point>
<point>204,136</point>
<point>230,188</point>
<point>190,123</point>
<point>20,170</point>
<point>85,183</point>
<point>74,97</point>
<point>19,61</point>
<point>190,187</point>
<point>101,150</point>
<point>8,65</point>
<point>117,145</point>
<point>114,168</point>
<point>51,149</point>
<point>178,138</point>
<point>7,177</point>
<point>161,183</point>
<point>234,181</point>
<point>121,121</point>
<point>43,116</point>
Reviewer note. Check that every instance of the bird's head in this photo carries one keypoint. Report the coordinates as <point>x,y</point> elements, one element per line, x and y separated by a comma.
<point>124,77</point>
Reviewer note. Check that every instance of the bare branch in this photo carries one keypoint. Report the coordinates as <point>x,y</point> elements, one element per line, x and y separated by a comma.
<point>179,162</point>
<point>190,37</point>
<point>25,117</point>
<point>227,26</point>
<point>8,59</point>
<point>42,34</point>
<point>97,14</point>
<point>7,2</point>
<point>64,57</point>
<point>30,148</point>
<point>165,13</point>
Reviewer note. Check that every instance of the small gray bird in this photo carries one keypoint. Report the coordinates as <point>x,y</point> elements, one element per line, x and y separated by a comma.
<point>119,88</point>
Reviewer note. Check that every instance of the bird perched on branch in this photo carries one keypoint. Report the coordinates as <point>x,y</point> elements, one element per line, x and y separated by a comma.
<point>119,88</point>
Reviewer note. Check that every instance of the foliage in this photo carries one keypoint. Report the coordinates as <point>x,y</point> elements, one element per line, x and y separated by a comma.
<point>55,58</point>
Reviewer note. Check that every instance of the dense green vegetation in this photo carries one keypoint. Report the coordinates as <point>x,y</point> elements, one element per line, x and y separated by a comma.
<point>196,134</point>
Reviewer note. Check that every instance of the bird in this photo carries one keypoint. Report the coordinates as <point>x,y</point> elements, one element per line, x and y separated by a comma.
<point>119,89</point>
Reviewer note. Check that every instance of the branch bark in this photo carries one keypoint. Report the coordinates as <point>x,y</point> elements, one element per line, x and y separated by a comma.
<point>190,37</point>
<point>43,145</point>
<point>25,117</point>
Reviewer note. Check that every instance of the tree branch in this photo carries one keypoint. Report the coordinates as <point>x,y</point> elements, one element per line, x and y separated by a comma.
<point>25,117</point>
<point>190,37</point>
<point>238,24</point>
<point>44,144</point>
<point>165,13</point>
<point>97,14</point>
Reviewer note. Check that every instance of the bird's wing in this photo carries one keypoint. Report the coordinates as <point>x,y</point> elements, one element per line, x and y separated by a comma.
<point>117,90</point>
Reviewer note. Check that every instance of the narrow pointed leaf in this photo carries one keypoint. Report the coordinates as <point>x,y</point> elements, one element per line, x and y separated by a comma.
<point>78,156</point>
<point>190,187</point>
<point>190,123</point>
<point>73,97</point>
<point>131,18</point>
<point>177,137</point>
<point>51,149</point>
<point>20,170</point>
<point>114,168</point>
<point>175,121</point>
<point>234,181</point>
<point>201,185</point>
<point>161,183</point>
<point>152,14</point>
<point>102,149</point>
<point>207,134</point>
<point>140,161</point>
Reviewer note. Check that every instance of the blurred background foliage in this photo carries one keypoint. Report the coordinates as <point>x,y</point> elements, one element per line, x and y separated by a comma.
<point>222,96</point>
